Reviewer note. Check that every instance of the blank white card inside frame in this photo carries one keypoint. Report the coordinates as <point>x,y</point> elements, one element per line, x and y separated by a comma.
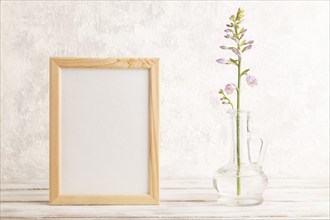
<point>104,131</point>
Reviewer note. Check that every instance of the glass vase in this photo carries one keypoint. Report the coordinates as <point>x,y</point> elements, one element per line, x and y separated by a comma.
<point>241,182</point>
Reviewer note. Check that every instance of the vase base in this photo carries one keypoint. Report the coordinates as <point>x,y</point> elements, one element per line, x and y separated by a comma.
<point>240,201</point>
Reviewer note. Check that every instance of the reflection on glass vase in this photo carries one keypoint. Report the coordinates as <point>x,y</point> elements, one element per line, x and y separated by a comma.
<point>241,182</point>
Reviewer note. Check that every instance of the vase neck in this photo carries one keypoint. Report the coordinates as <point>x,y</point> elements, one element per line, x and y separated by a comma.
<point>238,121</point>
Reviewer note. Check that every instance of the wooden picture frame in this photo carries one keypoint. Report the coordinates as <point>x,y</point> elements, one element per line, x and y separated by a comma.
<point>58,66</point>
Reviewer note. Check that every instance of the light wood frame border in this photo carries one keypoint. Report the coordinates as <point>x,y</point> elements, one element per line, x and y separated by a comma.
<point>55,196</point>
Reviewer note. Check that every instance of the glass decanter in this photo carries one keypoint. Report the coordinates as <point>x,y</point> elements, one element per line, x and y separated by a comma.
<point>241,182</point>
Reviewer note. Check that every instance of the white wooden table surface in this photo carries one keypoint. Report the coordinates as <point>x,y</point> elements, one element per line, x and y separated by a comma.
<point>180,199</point>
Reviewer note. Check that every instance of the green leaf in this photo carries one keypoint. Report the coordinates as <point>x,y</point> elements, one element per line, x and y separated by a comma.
<point>240,30</point>
<point>245,72</point>
<point>234,61</point>
<point>243,43</point>
<point>237,14</point>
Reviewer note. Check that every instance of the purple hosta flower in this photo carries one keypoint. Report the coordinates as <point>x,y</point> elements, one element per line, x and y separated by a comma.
<point>229,88</point>
<point>224,61</point>
<point>251,80</point>
<point>247,48</point>
<point>250,42</point>
<point>229,25</point>
<point>228,36</point>
<point>229,30</point>
<point>237,52</point>
<point>224,47</point>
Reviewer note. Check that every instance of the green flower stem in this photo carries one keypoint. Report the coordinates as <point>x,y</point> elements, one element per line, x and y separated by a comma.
<point>238,153</point>
<point>238,149</point>
<point>231,104</point>
<point>226,98</point>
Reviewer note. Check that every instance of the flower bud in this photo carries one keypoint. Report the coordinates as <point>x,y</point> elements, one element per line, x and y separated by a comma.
<point>243,30</point>
<point>223,61</point>
<point>247,48</point>
<point>237,52</point>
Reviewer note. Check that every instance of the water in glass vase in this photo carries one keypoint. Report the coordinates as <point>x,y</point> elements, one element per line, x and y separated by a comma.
<point>241,182</point>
